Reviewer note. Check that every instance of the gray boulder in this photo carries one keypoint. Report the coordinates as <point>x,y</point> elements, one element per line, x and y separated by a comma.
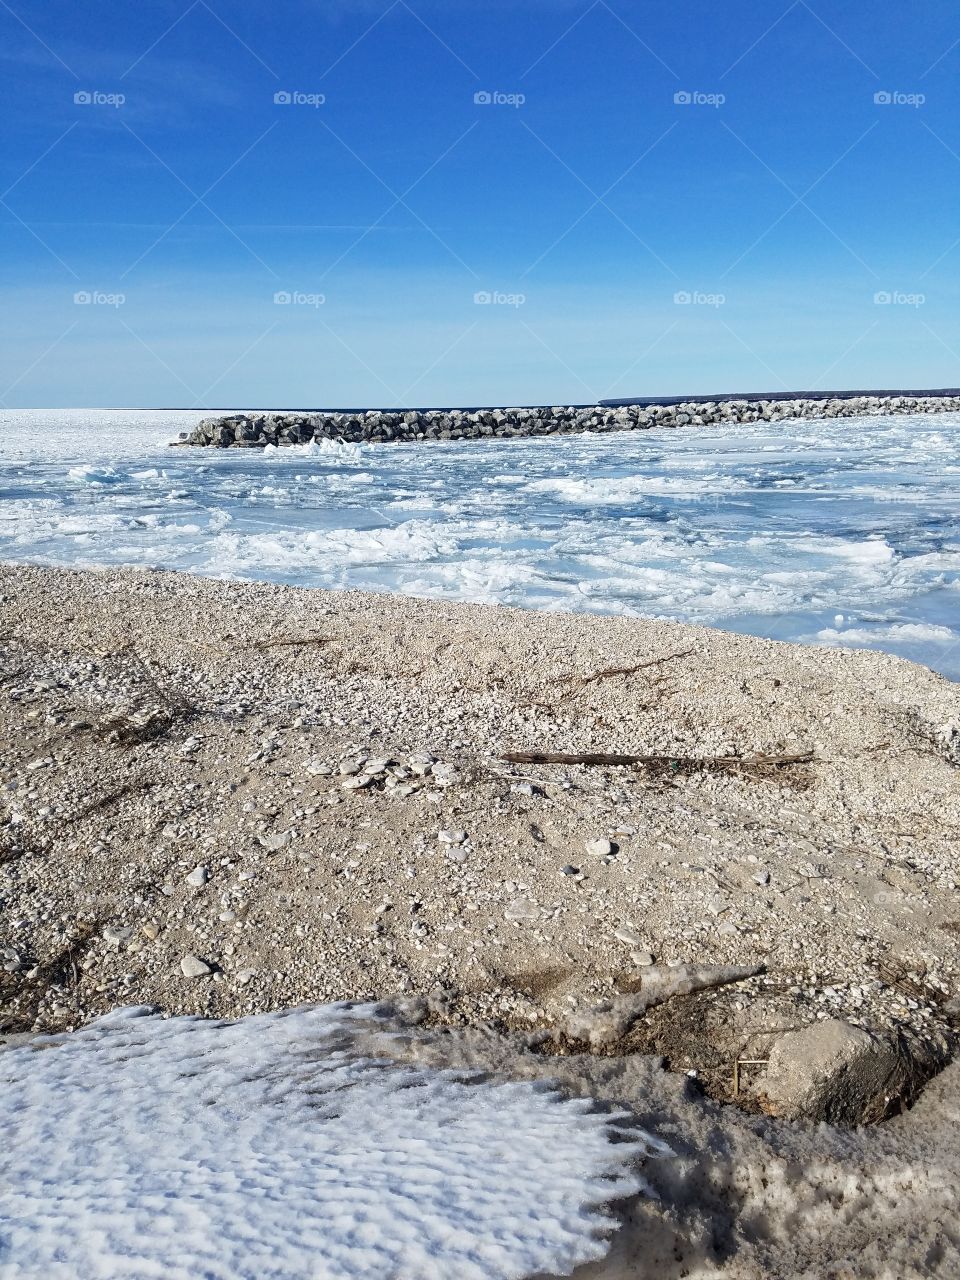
<point>833,1071</point>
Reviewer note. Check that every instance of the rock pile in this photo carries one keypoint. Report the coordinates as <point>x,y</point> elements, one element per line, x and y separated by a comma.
<point>256,430</point>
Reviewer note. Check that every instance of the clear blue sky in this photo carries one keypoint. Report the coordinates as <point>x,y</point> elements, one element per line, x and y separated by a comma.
<point>782,199</point>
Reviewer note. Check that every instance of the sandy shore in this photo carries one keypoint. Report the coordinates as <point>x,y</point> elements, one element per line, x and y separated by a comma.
<point>226,798</point>
<point>155,723</point>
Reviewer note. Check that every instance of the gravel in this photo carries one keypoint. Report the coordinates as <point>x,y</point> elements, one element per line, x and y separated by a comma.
<point>837,878</point>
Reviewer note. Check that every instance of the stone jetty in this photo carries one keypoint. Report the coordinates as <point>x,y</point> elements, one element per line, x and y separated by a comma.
<point>257,429</point>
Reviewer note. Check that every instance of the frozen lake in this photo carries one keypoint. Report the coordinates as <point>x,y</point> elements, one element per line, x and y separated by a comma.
<point>831,532</point>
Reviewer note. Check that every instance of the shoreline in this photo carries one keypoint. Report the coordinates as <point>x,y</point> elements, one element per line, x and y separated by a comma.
<point>224,798</point>
<point>257,429</point>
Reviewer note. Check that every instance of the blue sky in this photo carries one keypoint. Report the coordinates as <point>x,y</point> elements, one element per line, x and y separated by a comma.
<point>654,198</point>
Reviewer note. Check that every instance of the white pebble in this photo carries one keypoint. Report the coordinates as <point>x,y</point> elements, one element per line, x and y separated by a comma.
<point>522,909</point>
<point>451,836</point>
<point>192,966</point>
<point>628,936</point>
<point>600,848</point>
<point>356,783</point>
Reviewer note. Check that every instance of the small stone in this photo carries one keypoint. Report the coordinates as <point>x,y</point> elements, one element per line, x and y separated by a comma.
<point>189,745</point>
<point>373,767</point>
<point>762,877</point>
<point>356,783</point>
<point>570,870</point>
<point>812,871</point>
<point>642,958</point>
<point>316,766</point>
<point>628,936</point>
<point>245,975</point>
<point>600,848</point>
<point>198,877</point>
<point>150,930</point>
<point>227,917</point>
<point>522,909</point>
<point>115,937</point>
<point>452,836</point>
<point>274,841</point>
<point>349,768</point>
<point>192,966</point>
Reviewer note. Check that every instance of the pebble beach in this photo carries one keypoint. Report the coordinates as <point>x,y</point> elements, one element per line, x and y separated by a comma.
<point>224,798</point>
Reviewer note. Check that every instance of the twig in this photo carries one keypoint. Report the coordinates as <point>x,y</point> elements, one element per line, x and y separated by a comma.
<point>607,673</point>
<point>106,802</point>
<point>290,640</point>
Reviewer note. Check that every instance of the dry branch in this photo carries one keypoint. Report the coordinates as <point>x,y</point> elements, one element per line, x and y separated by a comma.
<point>608,673</point>
<point>671,764</point>
<point>285,641</point>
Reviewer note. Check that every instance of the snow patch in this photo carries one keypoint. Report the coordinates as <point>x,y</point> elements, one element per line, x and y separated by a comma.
<point>272,1148</point>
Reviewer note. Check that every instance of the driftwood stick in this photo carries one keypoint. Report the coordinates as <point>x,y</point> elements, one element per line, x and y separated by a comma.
<point>290,640</point>
<point>664,762</point>
<point>609,672</point>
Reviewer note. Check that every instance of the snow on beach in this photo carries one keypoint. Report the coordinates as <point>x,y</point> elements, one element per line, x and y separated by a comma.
<point>840,533</point>
<point>275,1147</point>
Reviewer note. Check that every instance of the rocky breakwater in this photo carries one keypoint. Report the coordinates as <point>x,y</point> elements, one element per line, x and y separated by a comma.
<point>256,429</point>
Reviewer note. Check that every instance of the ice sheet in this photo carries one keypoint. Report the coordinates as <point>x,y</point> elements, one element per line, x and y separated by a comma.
<point>772,529</point>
